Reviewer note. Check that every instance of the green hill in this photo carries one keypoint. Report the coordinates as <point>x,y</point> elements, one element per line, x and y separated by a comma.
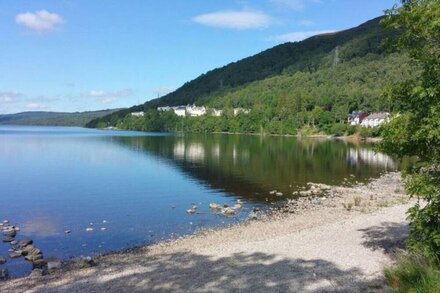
<point>313,82</point>
<point>53,118</point>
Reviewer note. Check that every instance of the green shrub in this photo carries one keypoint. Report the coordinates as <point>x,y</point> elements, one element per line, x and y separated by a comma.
<point>414,273</point>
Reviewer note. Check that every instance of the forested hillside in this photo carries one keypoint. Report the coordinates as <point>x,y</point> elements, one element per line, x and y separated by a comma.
<point>53,118</point>
<point>314,83</point>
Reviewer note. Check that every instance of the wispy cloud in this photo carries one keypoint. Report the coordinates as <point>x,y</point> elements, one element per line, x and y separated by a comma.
<point>9,96</point>
<point>234,19</point>
<point>108,97</point>
<point>297,5</point>
<point>41,21</point>
<point>299,36</point>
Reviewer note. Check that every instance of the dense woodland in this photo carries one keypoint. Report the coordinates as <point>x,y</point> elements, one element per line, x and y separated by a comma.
<point>53,118</point>
<point>309,86</point>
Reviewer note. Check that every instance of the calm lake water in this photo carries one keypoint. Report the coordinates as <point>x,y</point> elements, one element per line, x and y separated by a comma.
<point>139,185</point>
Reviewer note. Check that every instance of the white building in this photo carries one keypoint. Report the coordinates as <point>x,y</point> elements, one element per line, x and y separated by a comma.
<point>241,110</point>
<point>216,113</point>
<point>376,119</point>
<point>137,114</point>
<point>195,111</point>
<point>179,110</point>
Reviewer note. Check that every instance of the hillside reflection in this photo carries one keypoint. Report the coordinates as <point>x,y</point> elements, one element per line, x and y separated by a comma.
<point>251,166</point>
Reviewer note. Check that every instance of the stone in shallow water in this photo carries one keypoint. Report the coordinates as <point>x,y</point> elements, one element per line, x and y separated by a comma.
<point>14,254</point>
<point>228,211</point>
<point>2,260</point>
<point>30,250</point>
<point>10,231</point>
<point>25,242</point>
<point>86,262</point>
<point>36,273</point>
<point>215,206</point>
<point>8,239</point>
<point>39,263</point>
<point>53,263</point>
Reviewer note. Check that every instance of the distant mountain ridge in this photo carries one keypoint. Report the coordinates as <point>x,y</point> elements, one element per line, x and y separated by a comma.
<point>53,118</point>
<point>308,55</point>
<point>305,87</point>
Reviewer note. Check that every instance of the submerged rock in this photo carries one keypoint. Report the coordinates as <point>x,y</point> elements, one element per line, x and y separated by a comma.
<point>8,239</point>
<point>238,206</point>
<point>4,274</point>
<point>192,210</point>
<point>228,211</point>
<point>2,260</point>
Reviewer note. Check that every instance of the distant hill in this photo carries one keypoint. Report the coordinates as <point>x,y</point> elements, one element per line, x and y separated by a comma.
<point>53,118</point>
<point>332,73</point>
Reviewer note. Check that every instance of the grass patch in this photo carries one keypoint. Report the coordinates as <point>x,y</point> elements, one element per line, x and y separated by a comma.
<point>357,200</point>
<point>414,273</point>
<point>348,206</point>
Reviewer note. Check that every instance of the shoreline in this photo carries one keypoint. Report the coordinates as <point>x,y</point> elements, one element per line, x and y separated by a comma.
<point>347,138</point>
<point>294,221</point>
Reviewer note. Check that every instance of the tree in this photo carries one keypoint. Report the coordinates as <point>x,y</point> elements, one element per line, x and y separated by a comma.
<point>416,132</point>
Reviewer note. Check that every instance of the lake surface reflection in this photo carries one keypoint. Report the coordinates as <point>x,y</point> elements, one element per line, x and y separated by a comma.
<point>139,185</point>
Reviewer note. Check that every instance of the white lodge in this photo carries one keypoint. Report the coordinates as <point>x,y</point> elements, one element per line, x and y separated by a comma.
<point>195,111</point>
<point>375,119</point>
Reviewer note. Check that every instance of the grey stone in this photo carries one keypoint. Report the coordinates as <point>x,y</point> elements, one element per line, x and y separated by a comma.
<point>14,254</point>
<point>25,242</point>
<point>53,263</point>
<point>8,239</point>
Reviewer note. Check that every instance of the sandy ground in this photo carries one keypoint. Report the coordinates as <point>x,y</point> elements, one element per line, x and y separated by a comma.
<point>320,248</point>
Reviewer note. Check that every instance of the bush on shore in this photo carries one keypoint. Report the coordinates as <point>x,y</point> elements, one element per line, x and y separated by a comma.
<point>414,273</point>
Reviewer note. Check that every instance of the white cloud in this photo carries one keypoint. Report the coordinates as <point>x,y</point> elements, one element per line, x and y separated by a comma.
<point>297,5</point>
<point>109,94</point>
<point>9,96</point>
<point>299,36</point>
<point>234,19</point>
<point>40,21</point>
<point>108,97</point>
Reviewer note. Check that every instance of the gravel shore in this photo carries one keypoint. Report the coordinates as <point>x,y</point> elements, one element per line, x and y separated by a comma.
<point>339,243</point>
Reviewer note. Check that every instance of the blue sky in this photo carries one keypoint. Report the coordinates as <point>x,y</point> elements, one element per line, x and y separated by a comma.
<point>77,55</point>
